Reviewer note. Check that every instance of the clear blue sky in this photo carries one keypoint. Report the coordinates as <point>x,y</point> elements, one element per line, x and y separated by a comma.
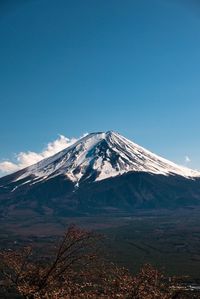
<point>69,67</point>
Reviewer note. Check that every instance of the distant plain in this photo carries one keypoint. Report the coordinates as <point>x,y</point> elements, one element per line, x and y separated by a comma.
<point>168,239</point>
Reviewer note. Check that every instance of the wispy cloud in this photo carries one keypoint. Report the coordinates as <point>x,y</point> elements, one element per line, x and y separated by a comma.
<point>7,167</point>
<point>187,159</point>
<point>24,159</point>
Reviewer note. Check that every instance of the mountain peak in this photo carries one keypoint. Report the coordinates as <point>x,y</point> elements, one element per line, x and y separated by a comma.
<point>102,134</point>
<point>99,156</point>
<point>101,172</point>
<point>111,133</point>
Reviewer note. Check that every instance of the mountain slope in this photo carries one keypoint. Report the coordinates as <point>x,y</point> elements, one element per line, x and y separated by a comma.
<point>102,155</point>
<point>101,171</point>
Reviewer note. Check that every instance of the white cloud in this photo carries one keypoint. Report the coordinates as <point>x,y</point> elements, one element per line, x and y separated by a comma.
<point>24,159</point>
<point>187,159</point>
<point>8,167</point>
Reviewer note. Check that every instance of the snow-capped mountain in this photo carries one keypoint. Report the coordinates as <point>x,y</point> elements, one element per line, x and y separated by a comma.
<point>100,172</point>
<point>99,156</point>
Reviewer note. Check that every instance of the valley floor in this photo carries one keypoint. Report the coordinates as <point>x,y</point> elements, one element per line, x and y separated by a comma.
<point>169,240</point>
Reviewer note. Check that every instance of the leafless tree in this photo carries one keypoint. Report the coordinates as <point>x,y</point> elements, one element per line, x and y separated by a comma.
<point>76,270</point>
<point>32,278</point>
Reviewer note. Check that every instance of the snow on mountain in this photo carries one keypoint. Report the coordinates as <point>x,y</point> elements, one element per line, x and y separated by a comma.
<point>98,156</point>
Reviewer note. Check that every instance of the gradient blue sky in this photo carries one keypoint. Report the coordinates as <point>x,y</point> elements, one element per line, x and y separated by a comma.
<point>70,67</point>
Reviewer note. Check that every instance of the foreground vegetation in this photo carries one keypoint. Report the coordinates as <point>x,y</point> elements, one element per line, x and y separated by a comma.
<point>75,268</point>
